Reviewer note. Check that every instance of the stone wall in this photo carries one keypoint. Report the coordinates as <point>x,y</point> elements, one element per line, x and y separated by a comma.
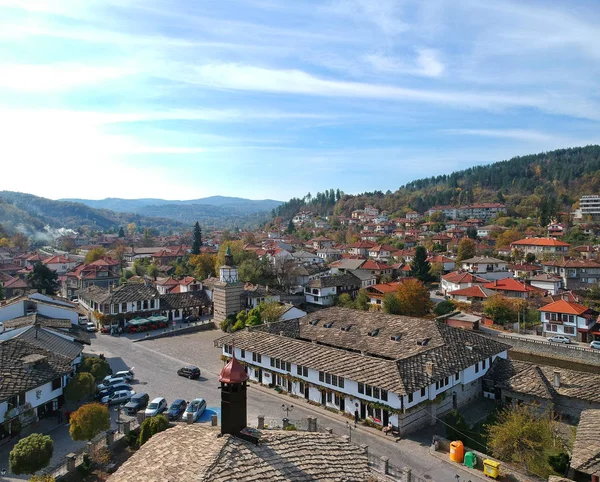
<point>569,353</point>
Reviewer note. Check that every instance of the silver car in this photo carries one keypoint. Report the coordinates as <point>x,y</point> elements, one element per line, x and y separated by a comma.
<point>118,397</point>
<point>595,345</point>
<point>156,407</point>
<point>559,339</point>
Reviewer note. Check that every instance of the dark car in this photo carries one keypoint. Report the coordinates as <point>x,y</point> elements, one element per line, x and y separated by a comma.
<point>189,372</point>
<point>138,402</point>
<point>189,319</point>
<point>113,388</point>
<point>177,408</point>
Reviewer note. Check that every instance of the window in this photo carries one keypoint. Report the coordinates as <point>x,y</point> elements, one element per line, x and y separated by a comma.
<point>483,365</point>
<point>123,307</point>
<point>242,353</point>
<point>304,371</point>
<point>334,380</point>
<point>299,370</point>
<point>228,349</point>
<point>56,383</point>
<point>329,398</point>
<point>384,395</point>
<point>457,377</point>
<point>21,399</point>
<point>273,362</point>
<point>341,382</point>
<point>256,358</point>
<point>328,379</point>
<point>369,390</point>
<point>375,392</point>
<point>321,376</point>
<point>477,367</point>
<point>410,398</point>
<point>336,399</point>
<point>569,330</point>
<point>152,304</point>
<point>571,319</point>
<point>361,388</point>
<point>288,367</point>
<point>277,363</point>
<point>423,391</point>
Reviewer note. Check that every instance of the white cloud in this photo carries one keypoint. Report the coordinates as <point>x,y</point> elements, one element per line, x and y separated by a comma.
<point>426,64</point>
<point>518,134</point>
<point>429,63</point>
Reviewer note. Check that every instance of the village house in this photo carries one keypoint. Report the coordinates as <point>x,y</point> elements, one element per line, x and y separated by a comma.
<point>585,458</point>
<point>254,295</point>
<point>361,248</point>
<point>103,272</point>
<point>60,264</point>
<point>329,254</point>
<point>464,321</point>
<point>547,282</point>
<point>569,319</point>
<point>486,267</point>
<point>14,287</point>
<point>377,268</point>
<point>575,273</point>
<point>40,304</point>
<point>377,292</point>
<point>471,294</point>
<point>394,369</point>
<point>321,242</point>
<point>323,291</point>
<point>541,247</point>
<point>447,264</point>
<point>457,280</point>
<point>511,288</point>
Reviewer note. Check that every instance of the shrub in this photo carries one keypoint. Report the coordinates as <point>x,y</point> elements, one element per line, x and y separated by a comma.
<point>152,426</point>
<point>86,466</point>
<point>88,421</point>
<point>31,454</point>
<point>98,367</point>
<point>559,462</point>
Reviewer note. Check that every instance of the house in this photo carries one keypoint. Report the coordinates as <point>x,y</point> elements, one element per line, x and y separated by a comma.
<point>412,215</point>
<point>402,370</point>
<point>547,282</point>
<point>464,321</point>
<point>524,270</point>
<point>304,257</point>
<point>380,251</point>
<point>589,207</point>
<point>470,294</point>
<point>321,242</point>
<point>45,305</point>
<point>377,268</point>
<point>131,299</point>
<point>486,267</point>
<point>15,287</point>
<point>511,288</point>
<point>291,312</point>
<point>570,319</point>
<point>322,291</point>
<point>103,272</point>
<point>457,280</point>
<point>564,391</point>
<point>585,458</point>
<point>346,265</point>
<point>541,247</point>
<point>556,230</point>
<point>377,292</point>
<point>575,273</point>
<point>448,264</point>
<point>484,231</point>
<point>254,295</point>
<point>361,248</point>
<point>60,264</point>
<point>329,254</point>
<point>367,278</point>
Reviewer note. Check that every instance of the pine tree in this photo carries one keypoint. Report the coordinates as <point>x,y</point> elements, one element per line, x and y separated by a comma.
<point>121,232</point>
<point>197,244</point>
<point>420,268</point>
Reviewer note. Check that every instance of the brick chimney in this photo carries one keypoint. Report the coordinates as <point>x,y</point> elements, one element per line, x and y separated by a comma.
<point>556,382</point>
<point>429,368</point>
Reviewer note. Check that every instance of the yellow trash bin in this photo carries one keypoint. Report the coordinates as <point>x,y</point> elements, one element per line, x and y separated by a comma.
<point>491,468</point>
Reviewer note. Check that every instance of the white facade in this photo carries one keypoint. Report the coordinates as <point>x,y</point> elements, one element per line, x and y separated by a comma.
<point>320,296</point>
<point>564,324</point>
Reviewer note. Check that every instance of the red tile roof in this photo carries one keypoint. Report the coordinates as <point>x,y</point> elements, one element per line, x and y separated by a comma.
<point>547,242</point>
<point>470,292</point>
<point>375,265</point>
<point>509,284</point>
<point>460,277</point>
<point>562,306</point>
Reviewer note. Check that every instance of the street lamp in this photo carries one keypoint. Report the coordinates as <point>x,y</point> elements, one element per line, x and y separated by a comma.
<point>350,428</point>
<point>287,409</point>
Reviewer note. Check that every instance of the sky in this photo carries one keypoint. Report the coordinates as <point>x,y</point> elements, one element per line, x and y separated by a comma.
<point>273,99</point>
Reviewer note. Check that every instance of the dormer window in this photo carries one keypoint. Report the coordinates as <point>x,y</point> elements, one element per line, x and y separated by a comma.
<point>374,332</point>
<point>395,337</point>
<point>346,328</point>
<point>328,325</point>
<point>314,322</point>
<point>423,341</point>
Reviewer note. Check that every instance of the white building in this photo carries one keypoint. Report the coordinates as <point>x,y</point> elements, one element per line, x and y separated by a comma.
<point>486,267</point>
<point>570,319</point>
<point>49,306</point>
<point>396,369</point>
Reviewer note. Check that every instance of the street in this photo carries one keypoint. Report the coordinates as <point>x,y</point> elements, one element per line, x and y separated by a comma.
<point>155,364</point>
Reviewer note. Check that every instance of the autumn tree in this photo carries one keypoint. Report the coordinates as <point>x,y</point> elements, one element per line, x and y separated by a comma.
<point>362,300</point>
<point>420,267</point>
<point>391,304</point>
<point>345,301</point>
<point>524,435</point>
<point>88,421</point>
<point>466,249</point>
<point>271,311</point>
<point>31,454</point>
<point>42,478</point>
<point>505,239</point>
<point>414,299</point>
<point>197,243</point>
<point>43,279</point>
<point>203,265</point>
<point>81,385</point>
<point>95,254</point>
<point>131,229</point>
<point>500,309</point>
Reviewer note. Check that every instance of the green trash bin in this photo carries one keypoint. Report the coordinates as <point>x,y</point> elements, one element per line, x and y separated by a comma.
<point>470,460</point>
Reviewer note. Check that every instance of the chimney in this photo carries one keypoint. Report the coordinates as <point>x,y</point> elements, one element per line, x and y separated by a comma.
<point>429,368</point>
<point>495,282</point>
<point>556,383</point>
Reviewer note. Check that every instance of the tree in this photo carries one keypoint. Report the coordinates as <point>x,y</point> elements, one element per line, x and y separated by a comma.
<point>101,456</point>
<point>197,243</point>
<point>43,279</point>
<point>2,292</point>
<point>98,367</point>
<point>203,265</point>
<point>530,258</point>
<point>414,299</point>
<point>152,270</point>
<point>147,240</point>
<point>505,239</point>
<point>271,311</point>
<point>437,270</point>
<point>524,435</point>
<point>139,268</point>
<point>131,229</point>
<point>466,249</point>
<point>121,232</point>
<point>42,478</point>
<point>31,454</point>
<point>345,301</point>
<point>472,232</point>
<point>81,385</point>
<point>420,267</point>
<point>152,426</point>
<point>500,309</point>
<point>362,300</point>
<point>88,421</point>
<point>95,254</point>
<point>391,304</point>
<point>250,270</point>
<point>443,308</point>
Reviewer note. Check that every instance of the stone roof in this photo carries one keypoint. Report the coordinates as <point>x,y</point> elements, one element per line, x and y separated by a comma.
<point>337,280</point>
<point>57,325</point>
<point>358,345</point>
<point>123,294</point>
<point>586,448</point>
<point>15,374</point>
<point>195,453</point>
<point>190,299</point>
<point>538,380</point>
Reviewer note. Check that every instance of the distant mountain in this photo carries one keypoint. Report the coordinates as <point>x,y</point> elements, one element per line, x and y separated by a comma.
<point>29,214</point>
<point>214,211</point>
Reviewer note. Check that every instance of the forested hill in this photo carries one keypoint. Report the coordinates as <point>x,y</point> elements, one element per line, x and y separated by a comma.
<point>29,214</point>
<point>523,183</point>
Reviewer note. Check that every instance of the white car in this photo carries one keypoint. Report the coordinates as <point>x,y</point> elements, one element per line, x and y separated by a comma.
<point>156,407</point>
<point>595,345</point>
<point>196,407</point>
<point>127,375</point>
<point>90,326</point>
<point>120,396</point>
<point>83,321</point>
<point>110,382</point>
<point>559,339</point>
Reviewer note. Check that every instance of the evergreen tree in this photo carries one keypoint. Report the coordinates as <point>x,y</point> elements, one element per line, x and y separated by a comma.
<point>43,279</point>
<point>121,232</point>
<point>420,268</point>
<point>197,243</point>
<point>290,228</point>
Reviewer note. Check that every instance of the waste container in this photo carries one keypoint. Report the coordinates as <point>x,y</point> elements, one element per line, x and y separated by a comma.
<point>457,451</point>
<point>491,468</point>
<point>470,460</point>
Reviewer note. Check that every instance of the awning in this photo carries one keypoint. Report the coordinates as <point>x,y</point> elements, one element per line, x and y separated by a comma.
<point>137,321</point>
<point>156,318</point>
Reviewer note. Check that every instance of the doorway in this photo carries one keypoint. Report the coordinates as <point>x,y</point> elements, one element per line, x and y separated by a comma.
<point>260,375</point>
<point>323,398</point>
<point>306,391</point>
<point>385,418</point>
<point>342,404</point>
<point>363,411</point>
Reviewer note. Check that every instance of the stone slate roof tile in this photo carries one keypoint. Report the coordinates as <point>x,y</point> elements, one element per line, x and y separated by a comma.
<point>586,448</point>
<point>50,341</point>
<point>338,280</point>
<point>190,299</point>
<point>195,453</point>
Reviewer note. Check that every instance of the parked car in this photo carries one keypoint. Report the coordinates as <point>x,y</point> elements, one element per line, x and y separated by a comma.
<point>189,319</point>
<point>595,345</point>
<point>117,397</point>
<point>127,375</point>
<point>189,372</point>
<point>110,382</point>
<point>113,388</point>
<point>559,339</point>
<point>156,407</point>
<point>196,407</point>
<point>90,326</point>
<point>83,321</point>
<point>177,408</point>
<point>136,403</point>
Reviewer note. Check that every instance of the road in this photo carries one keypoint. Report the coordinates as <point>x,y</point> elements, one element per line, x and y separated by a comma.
<point>156,361</point>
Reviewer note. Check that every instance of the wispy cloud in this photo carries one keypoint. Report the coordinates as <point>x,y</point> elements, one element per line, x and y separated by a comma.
<point>517,134</point>
<point>427,63</point>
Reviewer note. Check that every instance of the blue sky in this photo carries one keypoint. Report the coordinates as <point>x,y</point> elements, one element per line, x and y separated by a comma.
<point>273,99</point>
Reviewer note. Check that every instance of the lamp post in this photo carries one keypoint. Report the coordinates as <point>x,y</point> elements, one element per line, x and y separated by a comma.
<point>118,410</point>
<point>287,409</point>
<point>350,428</point>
